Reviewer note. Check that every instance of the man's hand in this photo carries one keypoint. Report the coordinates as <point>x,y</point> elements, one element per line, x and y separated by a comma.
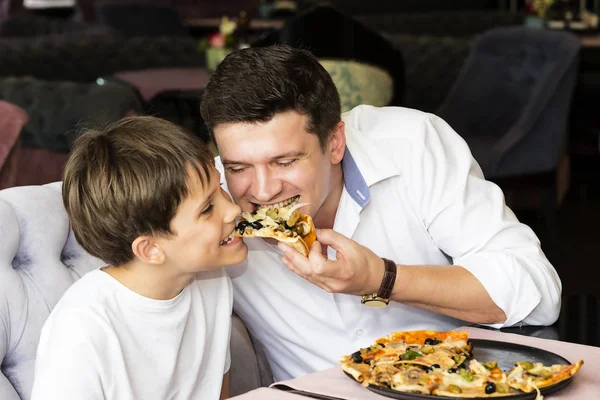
<point>356,270</point>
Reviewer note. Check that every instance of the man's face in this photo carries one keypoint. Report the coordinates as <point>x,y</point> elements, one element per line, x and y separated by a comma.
<point>276,162</point>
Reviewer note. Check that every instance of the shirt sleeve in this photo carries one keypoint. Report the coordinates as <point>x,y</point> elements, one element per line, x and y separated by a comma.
<point>66,364</point>
<point>228,354</point>
<point>469,221</point>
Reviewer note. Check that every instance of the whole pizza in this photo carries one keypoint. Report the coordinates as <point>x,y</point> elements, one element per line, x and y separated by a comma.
<point>442,364</point>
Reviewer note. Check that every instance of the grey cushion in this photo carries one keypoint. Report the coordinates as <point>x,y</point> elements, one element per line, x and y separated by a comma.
<point>39,260</point>
<point>83,57</point>
<point>58,110</point>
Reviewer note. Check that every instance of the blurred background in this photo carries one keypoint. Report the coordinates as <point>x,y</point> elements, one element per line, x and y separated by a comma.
<point>519,80</point>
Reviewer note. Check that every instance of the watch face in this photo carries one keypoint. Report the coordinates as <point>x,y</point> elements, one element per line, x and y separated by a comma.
<point>375,303</point>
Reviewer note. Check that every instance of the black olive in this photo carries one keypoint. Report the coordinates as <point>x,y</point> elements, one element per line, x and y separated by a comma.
<point>435,366</point>
<point>490,388</point>
<point>425,368</point>
<point>241,227</point>
<point>256,225</point>
<point>356,357</point>
<point>367,361</point>
<point>382,345</point>
<point>452,371</point>
<point>432,342</point>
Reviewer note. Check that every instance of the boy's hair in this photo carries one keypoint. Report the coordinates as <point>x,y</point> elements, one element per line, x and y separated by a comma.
<point>255,84</point>
<point>127,180</point>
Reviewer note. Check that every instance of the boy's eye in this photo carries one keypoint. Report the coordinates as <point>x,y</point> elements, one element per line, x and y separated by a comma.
<point>207,210</point>
<point>286,163</point>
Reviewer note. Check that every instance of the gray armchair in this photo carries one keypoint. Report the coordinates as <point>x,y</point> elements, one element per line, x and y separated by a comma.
<point>511,104</point>
<point>39,260</point>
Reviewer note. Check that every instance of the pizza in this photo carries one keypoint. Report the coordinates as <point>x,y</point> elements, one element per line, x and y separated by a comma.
<point>442,364</point>
<point>285,224</point>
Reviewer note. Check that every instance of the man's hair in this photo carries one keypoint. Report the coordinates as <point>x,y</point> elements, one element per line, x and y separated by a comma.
<point>256,84</point>
<point>127,180</point>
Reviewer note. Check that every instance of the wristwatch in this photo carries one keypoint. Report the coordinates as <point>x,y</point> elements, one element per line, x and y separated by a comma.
<point>382,297</point>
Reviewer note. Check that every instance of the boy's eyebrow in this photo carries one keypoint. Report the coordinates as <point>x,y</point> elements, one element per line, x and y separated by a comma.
<point>289,154</point>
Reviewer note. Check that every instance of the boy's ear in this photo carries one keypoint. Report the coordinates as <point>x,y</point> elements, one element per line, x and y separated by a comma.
<point>337,143</point>
<point>146,249</point>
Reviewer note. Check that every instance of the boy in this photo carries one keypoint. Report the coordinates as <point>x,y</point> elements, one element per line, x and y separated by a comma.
<point>143,196</point>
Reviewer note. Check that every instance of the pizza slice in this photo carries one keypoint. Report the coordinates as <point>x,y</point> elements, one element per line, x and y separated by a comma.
<point>285,224</point>
<point>409,361</point>
<point>528,376</point>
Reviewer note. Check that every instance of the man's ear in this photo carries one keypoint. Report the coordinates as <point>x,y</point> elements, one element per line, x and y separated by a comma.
<point>147,250</point>
<point>337,143</point>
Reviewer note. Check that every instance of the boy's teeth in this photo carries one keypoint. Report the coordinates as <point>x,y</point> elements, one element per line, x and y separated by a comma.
<point>228,238</point>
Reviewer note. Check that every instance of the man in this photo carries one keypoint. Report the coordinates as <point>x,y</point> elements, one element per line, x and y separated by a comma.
<point>400,183</point>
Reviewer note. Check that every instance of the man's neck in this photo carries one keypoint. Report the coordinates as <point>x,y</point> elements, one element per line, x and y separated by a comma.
<point>149,280</point>
<point>325,216</point>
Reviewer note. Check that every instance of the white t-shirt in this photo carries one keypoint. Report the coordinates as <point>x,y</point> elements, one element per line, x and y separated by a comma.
<point>104,341</point>
<point>414,194</point>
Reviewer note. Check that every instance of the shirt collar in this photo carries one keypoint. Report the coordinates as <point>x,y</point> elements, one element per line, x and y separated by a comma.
<point>363,167</point>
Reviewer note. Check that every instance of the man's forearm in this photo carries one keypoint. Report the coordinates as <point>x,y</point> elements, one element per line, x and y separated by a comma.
<point>446,289</point>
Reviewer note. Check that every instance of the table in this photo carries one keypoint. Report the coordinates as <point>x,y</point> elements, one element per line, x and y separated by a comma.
<point>151,82</point>
<point>336,386</point>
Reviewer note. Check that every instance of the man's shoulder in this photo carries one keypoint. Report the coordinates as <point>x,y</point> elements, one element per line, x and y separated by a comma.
<point>385,122</point>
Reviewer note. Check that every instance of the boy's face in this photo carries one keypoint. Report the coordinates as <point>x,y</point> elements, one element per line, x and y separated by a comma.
<point>274,162</point>
<point>203,227</point>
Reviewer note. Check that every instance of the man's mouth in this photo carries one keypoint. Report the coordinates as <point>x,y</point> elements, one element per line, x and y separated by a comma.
<point>285,203</point>
<point>228,239</point>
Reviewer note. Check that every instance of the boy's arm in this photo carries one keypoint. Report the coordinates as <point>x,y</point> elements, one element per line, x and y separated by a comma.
<point>225,387</point>
<point>67,363</point>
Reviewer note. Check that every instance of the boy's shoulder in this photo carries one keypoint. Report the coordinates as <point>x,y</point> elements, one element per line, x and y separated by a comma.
<point>82,308</point>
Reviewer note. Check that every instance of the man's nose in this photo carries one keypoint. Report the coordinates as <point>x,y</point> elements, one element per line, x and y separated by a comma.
<point>266,185</point>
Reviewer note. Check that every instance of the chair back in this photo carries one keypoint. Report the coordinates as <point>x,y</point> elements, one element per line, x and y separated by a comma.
<point>330,34</point>
<point>12,121</point>
<point>512,98</point>
<point>39,260</point>
<point>359,83</point>
<point>141,19</point>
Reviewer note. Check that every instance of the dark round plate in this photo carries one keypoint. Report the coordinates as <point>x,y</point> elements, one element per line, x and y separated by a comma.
<point>487,350</point>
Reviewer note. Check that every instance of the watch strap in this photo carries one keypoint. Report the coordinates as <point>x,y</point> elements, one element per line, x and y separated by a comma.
<point>389,279</point>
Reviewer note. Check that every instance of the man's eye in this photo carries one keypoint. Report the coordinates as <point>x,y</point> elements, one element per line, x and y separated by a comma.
<point>235,170</point>
<point>207,210</point>
<point>286,163</point>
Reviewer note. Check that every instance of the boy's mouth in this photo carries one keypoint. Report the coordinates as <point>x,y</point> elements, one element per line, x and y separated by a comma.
<point>228,239</point>
<point>290,201</point>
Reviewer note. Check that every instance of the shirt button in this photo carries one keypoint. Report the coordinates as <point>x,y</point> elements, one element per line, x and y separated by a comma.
<point>359,332</point>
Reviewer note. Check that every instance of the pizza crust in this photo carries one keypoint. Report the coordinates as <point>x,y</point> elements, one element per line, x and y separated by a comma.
<point>301,243</point>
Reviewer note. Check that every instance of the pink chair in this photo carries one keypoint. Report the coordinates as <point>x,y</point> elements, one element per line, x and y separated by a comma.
<point>12,121</point>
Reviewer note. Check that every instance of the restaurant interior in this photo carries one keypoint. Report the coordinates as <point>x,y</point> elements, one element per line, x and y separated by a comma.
<point>533,125</point>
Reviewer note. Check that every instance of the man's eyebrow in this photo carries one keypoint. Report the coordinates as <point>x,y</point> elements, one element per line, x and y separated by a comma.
<point>289,154</point>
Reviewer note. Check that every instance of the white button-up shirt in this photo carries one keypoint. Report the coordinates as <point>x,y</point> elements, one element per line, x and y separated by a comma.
<point>414,194</point>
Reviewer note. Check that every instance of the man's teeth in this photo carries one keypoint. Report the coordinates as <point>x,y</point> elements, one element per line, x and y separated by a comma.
<point>284,203</point>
